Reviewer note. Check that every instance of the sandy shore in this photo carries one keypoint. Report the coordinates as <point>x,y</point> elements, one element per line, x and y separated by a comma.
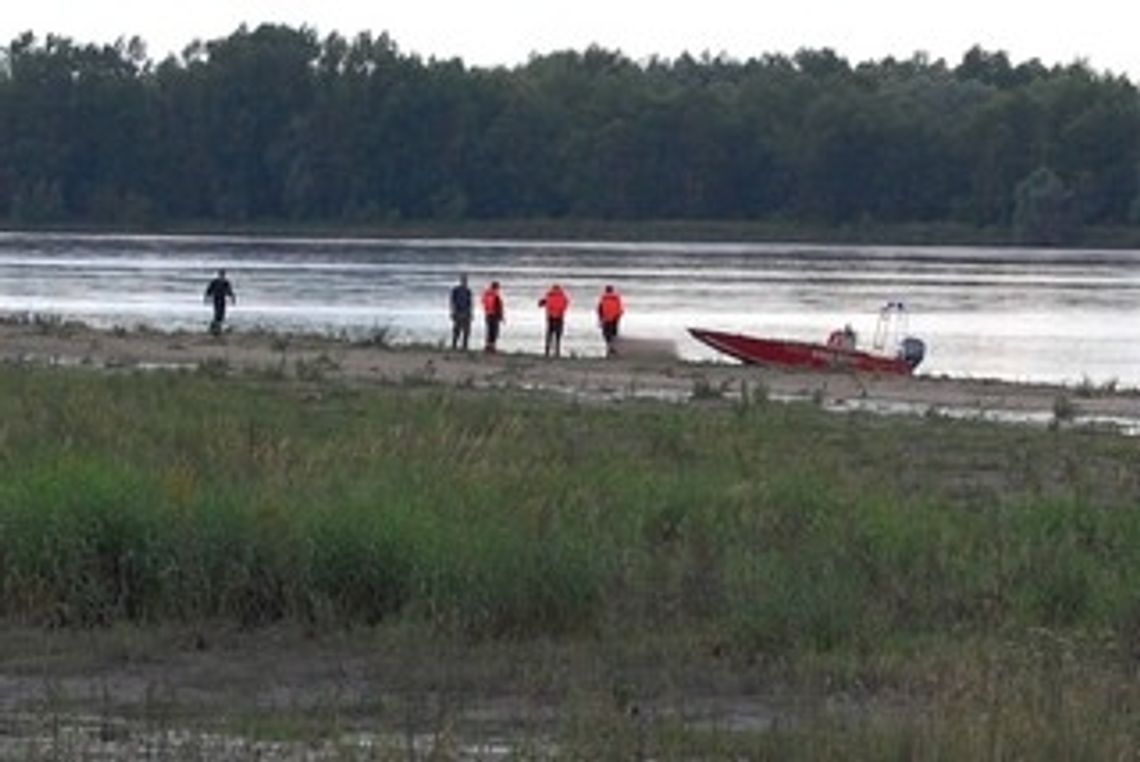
<point>645,372</point>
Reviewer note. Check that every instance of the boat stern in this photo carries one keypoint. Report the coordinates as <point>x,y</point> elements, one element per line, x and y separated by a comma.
<point>912,350</point>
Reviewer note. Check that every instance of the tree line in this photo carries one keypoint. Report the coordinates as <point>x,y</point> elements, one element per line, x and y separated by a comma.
<point>279,124</point>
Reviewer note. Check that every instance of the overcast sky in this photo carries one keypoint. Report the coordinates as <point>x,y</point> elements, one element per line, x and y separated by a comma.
<point>489,32</point>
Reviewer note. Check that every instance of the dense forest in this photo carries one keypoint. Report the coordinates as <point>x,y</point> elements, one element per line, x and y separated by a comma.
<point>278,124</point>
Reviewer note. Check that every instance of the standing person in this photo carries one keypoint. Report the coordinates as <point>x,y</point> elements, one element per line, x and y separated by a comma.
<point>494,314</point>
<point>460,313</point>
<point>219,291</point>
<point>609,313</point>
<point>556,303</point>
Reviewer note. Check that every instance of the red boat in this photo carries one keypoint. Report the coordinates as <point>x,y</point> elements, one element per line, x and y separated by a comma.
<point>839,353</point>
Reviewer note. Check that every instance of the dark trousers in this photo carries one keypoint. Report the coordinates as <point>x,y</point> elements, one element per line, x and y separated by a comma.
<point>492,332</point>
<point>554,335</point>
<point>219,317</point>
<point>460,331</point>
<point>609,333</point>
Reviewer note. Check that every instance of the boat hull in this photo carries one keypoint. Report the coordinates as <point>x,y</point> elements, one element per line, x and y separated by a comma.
<point>799,354</point>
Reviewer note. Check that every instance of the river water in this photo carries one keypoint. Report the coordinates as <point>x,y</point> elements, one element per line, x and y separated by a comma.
<point>1019,314</point>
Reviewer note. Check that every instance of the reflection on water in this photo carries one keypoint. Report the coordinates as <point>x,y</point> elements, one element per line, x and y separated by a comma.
<point>1025,314</point>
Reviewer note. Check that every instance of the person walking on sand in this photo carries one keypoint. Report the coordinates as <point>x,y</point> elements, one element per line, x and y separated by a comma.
<point>219,290</point>
<point>494,314</point>
<point>556,303</point>
<point>609,314</point>
<point>460,314</point>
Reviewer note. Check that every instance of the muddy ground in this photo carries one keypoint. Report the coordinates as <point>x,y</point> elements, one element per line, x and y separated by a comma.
<point>215,692</point>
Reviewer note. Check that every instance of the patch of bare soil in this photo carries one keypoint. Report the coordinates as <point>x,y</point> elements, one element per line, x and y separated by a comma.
<point>642,370</point>
<point>217,693</point>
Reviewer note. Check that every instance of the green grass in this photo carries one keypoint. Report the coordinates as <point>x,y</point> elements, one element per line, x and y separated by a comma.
<point>974,588</point>
<point>177,496</point>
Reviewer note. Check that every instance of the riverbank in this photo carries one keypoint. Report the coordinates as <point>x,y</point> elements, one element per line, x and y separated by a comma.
<point>287,546</point>
<point>648,370</point>
<point>670,231</point>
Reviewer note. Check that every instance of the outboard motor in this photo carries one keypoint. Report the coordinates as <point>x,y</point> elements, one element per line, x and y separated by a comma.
<point>912,351</point>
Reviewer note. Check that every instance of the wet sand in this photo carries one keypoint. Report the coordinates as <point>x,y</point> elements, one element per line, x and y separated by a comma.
<point>645,370</point>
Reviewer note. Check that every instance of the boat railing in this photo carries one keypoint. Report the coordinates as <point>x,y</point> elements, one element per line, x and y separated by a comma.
<point>891,328</point>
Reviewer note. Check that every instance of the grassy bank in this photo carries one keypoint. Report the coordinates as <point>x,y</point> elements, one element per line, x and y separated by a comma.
<point>966,562</point>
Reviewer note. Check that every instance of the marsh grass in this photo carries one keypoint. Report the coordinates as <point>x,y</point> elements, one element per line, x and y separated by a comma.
<point>703,389</point>
<point>1064,409</point>
<point>768,534</point>
<point>44,323</point>
<point>147,498</point>
<point>380,337</point>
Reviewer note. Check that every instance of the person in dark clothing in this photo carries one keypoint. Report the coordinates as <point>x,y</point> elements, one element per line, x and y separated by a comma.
<point>219,291</point>
<point>460,314</point>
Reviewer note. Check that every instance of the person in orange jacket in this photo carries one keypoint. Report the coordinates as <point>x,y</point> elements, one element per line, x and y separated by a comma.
<point>556,303</point>
<point>494,314</point>
<point>610,311</point>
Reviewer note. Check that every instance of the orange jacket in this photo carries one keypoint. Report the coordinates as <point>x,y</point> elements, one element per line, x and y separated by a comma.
<point>492,303</point>
<point>555,301</point>
<point>609,307</point>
